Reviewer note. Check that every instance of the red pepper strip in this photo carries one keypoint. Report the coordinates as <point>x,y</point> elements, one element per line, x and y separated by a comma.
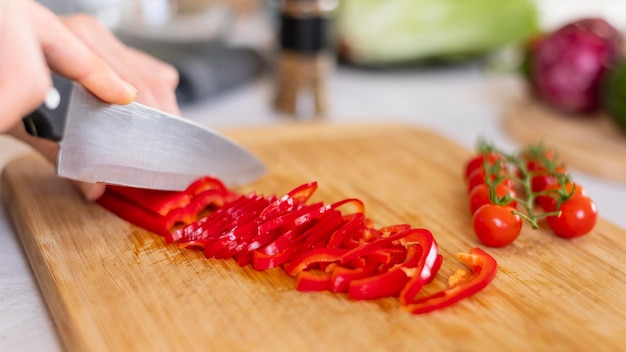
<point>243,258</point>
<point>293,218</point>
<point>423,271</point>
<point>241,227</point>
<point>341,276</point>
<point>389,283</point>
<point>312,281</point>
<point>289,201</point>
<point>284,240</point>
<point>193,231</point>
<point>352,223</point>
<point>387,257</point>
<point>163,202</point>
<point>321,232</point>
<point>262,239</point>
<point>436,267</point>
<point>357,204</point>
<point>314,256</point>
<point>296,237</point>
<point>369,247</point>
<point>382,285</point>
<point>460,285</point>
<point>212,226</point>
<point>262,261</point>
<point>189,213</point>
<point>134,213</point>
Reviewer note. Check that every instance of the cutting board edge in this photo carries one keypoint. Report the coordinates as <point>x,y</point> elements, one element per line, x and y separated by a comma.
<point>45,279</point>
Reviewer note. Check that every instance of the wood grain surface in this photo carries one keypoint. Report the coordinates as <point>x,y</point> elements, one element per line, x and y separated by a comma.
<point>111,286</point>
<point>590,143</point>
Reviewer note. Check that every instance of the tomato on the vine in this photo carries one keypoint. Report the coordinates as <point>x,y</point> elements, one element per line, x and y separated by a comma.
<point>548,202</point>
<point>496,225</point>
<point>479,177</point>
<point>578,217</point>
<point>543,180</point>
<point>478,161</point>
<point>480,196</point>
<point>536,161</point>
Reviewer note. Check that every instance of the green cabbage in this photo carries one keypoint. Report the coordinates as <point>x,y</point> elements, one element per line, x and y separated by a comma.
<point>391,31</point>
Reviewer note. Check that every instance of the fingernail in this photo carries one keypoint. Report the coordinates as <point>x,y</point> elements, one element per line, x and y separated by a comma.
<point>130,88</point>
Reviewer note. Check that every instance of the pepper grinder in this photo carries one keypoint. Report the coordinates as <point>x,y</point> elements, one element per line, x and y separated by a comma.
<point>304,57</point>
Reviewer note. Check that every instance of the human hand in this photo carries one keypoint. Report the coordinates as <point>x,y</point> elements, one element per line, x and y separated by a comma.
<point>35,42</point>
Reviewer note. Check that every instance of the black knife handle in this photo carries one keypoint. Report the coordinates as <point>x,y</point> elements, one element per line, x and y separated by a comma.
<point>48,120</point>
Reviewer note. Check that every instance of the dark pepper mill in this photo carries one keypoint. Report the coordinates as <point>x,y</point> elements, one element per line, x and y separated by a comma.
<point>304,57</point>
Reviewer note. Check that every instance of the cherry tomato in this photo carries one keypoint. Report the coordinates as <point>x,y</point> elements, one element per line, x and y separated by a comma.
<point>548,202</point>
<point>478,161</point>
<point>543,181</point>
<point>536,163</point>
<point>496,225</point>
<point>478,177</point>
<point>479,196</point>
<point>578,217</point>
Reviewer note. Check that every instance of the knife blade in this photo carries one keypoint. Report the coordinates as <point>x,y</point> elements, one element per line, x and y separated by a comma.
<point>135,145</point>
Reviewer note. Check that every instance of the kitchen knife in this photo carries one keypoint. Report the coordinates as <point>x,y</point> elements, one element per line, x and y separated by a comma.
<point>134,145</point>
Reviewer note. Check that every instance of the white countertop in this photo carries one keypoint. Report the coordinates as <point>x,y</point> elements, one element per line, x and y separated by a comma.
<point>461,103</point>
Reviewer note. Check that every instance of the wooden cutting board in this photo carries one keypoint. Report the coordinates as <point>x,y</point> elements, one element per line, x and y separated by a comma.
<point>590,143</point>
<point>111,286</point>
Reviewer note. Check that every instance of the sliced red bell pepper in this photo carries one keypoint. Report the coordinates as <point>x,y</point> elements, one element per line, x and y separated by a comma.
<point>213,224</point>
<point>290,201</point>
<point>163,202</point>
<point>190,212</point>
<point>262,261</point>
<point>352,224</point>
<point>426,267</point>
<point>460,285</point>
<point>341,277</point>
<point>308,258</point>
<point>374,245</point>
<point>319,233</point>
<point>388,283</point>
<point>296,217</point>
<point>312,281</point>
<point>319,244</point>
<point>134,213</point>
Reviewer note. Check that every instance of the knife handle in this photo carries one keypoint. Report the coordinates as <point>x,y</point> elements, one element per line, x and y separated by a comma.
<point>48,120</point>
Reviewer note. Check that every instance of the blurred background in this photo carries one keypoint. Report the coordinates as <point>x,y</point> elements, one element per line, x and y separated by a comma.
<point>221,45</point>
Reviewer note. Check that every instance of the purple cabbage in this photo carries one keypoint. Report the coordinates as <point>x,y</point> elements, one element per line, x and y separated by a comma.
<point>569,64</point>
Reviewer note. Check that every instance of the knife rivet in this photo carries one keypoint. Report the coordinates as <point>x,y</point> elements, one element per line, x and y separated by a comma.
<point>53,99</point>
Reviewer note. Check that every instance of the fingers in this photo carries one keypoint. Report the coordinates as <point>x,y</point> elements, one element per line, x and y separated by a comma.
<point>67,55</point>
<point>24,77</point>
<point>91,191</point>
<point>154,80</point>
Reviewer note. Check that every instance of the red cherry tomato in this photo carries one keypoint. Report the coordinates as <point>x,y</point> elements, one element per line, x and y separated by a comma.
<point>479,196</point>
<point>479,176</point>
<point>496,225</point>
<point>478,161</point>
<point>578,217</point>
<point>543,181</point>
<point>537,163</point>
<point>548,202</point>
